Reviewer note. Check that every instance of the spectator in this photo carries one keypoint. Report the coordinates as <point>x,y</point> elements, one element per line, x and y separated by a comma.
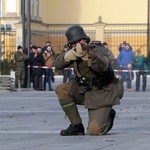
<point>122,46</point>
<point>36,62</point>
<point>47,43</point>
<point>125,60</point>
<point>20,58</point>
<point>49,63</point>
<point>141,65</point>
<point>148,58</point>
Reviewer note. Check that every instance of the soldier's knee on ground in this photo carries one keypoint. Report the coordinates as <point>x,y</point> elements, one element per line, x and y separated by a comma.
<point>98,121</point>
<point>93,128</point>
<point>62,91</point>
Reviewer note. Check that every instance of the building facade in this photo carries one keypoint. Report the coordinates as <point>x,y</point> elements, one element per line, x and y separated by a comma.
<point>50,19</point>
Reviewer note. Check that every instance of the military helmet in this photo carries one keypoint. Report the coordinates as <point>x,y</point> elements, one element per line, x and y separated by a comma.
<point>76,33</point>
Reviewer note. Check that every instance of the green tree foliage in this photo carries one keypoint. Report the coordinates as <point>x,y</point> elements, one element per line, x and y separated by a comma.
<point>6,66</point>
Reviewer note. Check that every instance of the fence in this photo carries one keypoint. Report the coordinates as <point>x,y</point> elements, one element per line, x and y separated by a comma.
<point>56,34</point>
<point>114,34</point>
<point>135,34</point>
<point>8,45</point>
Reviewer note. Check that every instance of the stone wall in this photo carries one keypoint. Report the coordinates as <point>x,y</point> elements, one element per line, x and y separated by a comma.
<point>7,82</point>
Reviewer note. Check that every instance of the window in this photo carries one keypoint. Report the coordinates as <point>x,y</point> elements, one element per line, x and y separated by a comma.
<point>11,6</point>
<point>32,8</point>
<point>35,9</point>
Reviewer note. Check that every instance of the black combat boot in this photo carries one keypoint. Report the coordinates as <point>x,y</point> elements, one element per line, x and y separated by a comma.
<point>112,116</point>
<point>73,130</point>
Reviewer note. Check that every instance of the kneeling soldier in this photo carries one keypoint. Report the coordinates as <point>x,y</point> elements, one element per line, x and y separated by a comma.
<point>95,85</point>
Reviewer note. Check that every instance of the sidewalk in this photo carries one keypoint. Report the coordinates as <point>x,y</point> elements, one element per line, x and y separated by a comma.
<point>32,120</point>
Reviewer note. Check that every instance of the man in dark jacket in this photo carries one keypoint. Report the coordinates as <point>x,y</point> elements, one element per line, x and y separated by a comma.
<point>36,62</point>
<point>95,85</point>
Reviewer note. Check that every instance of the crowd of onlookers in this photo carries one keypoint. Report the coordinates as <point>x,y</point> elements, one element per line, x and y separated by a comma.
<point>40,64</point>
<point>128,65</point>
<point>132,64</point>
<point>37,70</point>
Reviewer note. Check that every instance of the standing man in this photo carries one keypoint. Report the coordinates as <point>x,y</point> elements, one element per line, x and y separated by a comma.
<point>36,62</point>
<point>125,60</point>
<point>48,43</point>
<point>140,64</point>
<point>95,85</point>
<point>48,57</point>
<point>122,46</point>
<point>20,58</point>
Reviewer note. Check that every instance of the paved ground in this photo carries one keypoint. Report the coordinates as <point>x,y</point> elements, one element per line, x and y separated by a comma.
<point>32,120</point>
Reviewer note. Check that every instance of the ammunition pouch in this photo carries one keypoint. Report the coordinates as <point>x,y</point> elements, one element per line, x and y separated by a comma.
<point>104,79</point>
<point>100,81</point>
